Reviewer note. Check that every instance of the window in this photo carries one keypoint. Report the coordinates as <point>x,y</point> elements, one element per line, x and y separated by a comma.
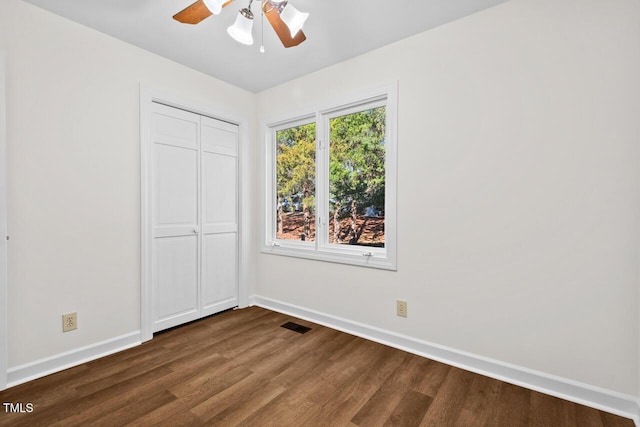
<point>332,183</point>
<point>357,177</point>
<point>296,182</point>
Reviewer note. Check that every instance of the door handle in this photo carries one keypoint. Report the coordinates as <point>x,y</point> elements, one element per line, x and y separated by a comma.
<point>195,231</point>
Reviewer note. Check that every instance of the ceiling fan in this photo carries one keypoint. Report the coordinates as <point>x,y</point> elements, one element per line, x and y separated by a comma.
<point>286,20</point>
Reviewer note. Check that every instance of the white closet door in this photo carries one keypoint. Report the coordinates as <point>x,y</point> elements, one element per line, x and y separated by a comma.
<point>175,148</point>
<point>219,147</point>
<point>194,216</point>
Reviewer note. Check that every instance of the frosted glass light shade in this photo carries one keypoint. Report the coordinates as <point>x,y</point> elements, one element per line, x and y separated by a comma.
<point>241,29</point>
<point>215,6</point>
<point>293,18</point>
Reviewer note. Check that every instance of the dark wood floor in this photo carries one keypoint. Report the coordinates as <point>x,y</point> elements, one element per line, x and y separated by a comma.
<point>241,368</point>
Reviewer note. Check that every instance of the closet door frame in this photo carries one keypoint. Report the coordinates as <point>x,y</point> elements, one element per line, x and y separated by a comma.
<point>148,96</point>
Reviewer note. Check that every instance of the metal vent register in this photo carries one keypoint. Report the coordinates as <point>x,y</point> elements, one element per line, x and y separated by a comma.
<point>296,328</point>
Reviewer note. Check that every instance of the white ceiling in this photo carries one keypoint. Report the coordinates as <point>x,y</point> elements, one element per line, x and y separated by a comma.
<point>336,30</point>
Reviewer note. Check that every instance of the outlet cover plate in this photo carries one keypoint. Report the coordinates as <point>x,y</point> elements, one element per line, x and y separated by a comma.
<point>69,322</point>
<point>401,308</point>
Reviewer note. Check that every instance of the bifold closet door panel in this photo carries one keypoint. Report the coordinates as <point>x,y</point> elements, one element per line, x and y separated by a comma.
<point>176,216</point>
<point>219,141</point>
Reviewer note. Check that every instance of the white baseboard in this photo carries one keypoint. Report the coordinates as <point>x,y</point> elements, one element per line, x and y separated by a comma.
<point>574,391</point>
<point>40,368</point>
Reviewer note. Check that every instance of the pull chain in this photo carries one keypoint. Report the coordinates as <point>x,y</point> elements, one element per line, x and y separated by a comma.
<point>261,30</point>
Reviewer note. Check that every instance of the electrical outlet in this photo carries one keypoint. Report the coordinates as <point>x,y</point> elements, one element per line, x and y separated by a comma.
<point>69,322</point>
<point>401,308</point>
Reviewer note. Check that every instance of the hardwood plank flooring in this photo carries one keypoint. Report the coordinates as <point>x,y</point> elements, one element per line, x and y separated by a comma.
<point>241,368</point>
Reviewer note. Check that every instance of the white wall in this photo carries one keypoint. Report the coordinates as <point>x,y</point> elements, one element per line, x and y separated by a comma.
<point>73,176</point>
<point>519,198</point>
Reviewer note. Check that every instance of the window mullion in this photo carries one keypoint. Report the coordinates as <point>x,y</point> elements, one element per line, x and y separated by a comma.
<point>322,182</point>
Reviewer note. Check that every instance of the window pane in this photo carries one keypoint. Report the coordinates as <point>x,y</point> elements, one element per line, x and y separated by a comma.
<point>357,178</point>
<point>296,183</point>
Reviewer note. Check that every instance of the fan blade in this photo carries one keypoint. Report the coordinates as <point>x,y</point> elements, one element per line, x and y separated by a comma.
<point>195,12</point>
<point>281,28</point>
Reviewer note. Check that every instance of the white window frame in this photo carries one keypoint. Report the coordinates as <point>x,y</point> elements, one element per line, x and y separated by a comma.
<point>321,248</point>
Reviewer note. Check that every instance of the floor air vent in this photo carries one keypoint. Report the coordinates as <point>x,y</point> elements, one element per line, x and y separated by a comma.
<point>296,328</point>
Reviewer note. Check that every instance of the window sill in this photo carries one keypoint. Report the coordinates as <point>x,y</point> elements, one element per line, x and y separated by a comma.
<point>360,259</point>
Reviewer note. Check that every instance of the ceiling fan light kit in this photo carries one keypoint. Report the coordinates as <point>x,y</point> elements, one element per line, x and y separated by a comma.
<point>215,6</point>
<point>293,18</point>
<point>285,19</point>
<point>240,31</point>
